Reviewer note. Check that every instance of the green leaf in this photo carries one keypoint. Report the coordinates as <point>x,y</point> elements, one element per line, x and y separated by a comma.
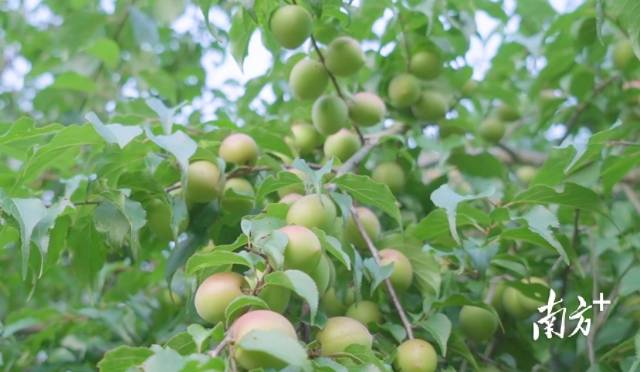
<point>369,192</point>
<point>242,27</point>
<point>182,343</point>
<point>122,358</point>
<point>299,282</point>
<point>572,195</point>
<point>74,81</point>
<point>277,345</point>
<point>200,334</point>
<point>242,302</point>
<point>114,133</point>
<point>376,273</point>
<point>274,183</point>
<point>439,327</point>
<point>144,28</point>
<point>333,246</point>
<point>426,271</point>
<point>630,282</point>
<point>106,50</point>
<point>178,144</point>
<point>445,197</point>
<point>163,359</point>
<point>626,11</point>
<point>215,258</point>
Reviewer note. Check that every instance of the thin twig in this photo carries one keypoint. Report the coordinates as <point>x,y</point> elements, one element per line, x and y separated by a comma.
<point>371,142</point>
<point>392,292</point>
<point>225,341</point>
<point>582,107</point>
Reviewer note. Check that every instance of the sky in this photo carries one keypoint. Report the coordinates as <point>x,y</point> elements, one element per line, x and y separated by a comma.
<point>221,69</point>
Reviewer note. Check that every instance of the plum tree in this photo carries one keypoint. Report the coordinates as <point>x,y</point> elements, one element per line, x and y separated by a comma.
<point>340,332</point>
<point>402,274</point>
<point>622,54</point>
<point>276,297</point>
<point>344,56</point>
<point>431,106</point>
<point>366,109</point>
<point>404,90</point>
<point>305,138</point>
<point>390,174</point>
<point>308,79</point>
<point>204,182</point>
<point>259,320</point>
<point>416,356</point>
<point>303,248</point>
<point>365,312</point>
<point>215,293</point>
<point>239,149</point>
<point>477,323</point>
<point>491,129</point>
<point>329,114</point>
<point>425,65</point>
<point>370,223</point>
<point>312,211</point>
<point>341,145</point>
<point>291,25</point>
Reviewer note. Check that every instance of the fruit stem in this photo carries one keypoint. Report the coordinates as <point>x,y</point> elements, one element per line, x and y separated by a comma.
<point>392,292</point>
<point>219,347</point>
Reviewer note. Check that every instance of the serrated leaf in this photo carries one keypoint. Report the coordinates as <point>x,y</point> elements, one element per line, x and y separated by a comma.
<point>571,195</point>
<point>242,302</point>
<point>114,133</point>
<point>376,273</point>
<point>274,183</point>
<point>439,327</point>
<point>333,246</point>
<point>277,345</point>
<point>122,358</point>
<point>369,192</point>
<point>299,282</point>
<point>215,258</point>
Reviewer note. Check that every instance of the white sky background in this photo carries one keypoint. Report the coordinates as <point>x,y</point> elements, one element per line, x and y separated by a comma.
<point>259,59</point>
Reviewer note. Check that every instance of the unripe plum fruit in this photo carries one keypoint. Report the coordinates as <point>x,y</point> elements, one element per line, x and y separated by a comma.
<point>239,186</point>
<point>159,219</point>
<point>416,356</point>
<point>312,211</point>
<point>404,90</point>
<point>340,332</point>
<point>329,114</point>
<point>341,145</point>
<point>366,109</point>
<point>526,173</point>
<point>323,274</point>
<point>344,56</point>
<point>204,182</point>
<point>365,312</point>
<point>308,79</point>
<point>508,113</point>
<point>492,130</point>
<point>532,304</point>
<point>259,320</point>
<point>402,274</point>
<point>333,305</point>
<point>425,65</point>
<point>517,304</point>
<point>303,248</point>
<point>289,199</point>
<point>478,323</point>
<point>215,293</point>
<point>430,106</point>
<point>305,138</point>
<point>390,174</point>
<point>276,297</point>
<point>291,25</point>
<point>370,223</point>
<point>239,149</point>
<point>622,54</point>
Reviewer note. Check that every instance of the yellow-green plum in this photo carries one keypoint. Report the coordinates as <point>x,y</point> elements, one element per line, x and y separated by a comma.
<point>431,106</point>
<point>305,138</point>
<point>366,109</point>
<point>204,182</point>
<point>390,174</point>
<point>477,323</point>
<point>312,211</point>
<point>276,297</point>
<point>344,56</point>
<point>159,219</point>
<point>340,332</point>
<point>491,130</point>
<point>291,25</point>
<point>308,79</point>
<point>239,149</point>
<point>416,356</point>
<point>329,114</point>
<point>496,300</point>
<point>215,293</point>
<point>402,274</point>
<point>508,112</point>
<point>532,304</point>
<point>341,145</point>
<point>526,173</point>
<point>303,248</point>
<point>371,226</point>
<point>517,304</point>
<point>404,90</point>
<point>333,304</point>
<point>241,187</point>
<point>425,65</point>
<point>365,312</point>
<point>623,54</point>
<point>322,274</point>
<point>259,320</point>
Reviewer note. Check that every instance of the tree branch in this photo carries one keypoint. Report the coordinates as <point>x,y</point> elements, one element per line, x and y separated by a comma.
<point>392,292</point>
<point>219,347</point>
<point>371,142</point>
